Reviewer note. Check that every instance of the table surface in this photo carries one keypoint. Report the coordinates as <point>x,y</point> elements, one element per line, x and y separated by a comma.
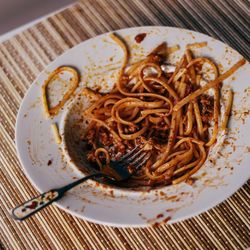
<point>25,55</point>
<point>18,13</point>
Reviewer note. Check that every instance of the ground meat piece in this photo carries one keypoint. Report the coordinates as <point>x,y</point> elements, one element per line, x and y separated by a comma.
<point>140,37</point>
<point>156,58</point>
<point>132,129</point>
<point>188,89</point>
<point>120,147</point>
<point>90,136</point>
<point>206,105</point>
<point>206,100</point>
<point>91,156</point>
<point>161,126</point>
<point>160,137</point>
<point>117,150</point>
<point>105,137</point>
<point>129,144</point>
<point>206,118</point>
<point>161,91</point>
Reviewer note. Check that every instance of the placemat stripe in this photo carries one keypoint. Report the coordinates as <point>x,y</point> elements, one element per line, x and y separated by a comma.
<point>17,234</point>
<point>3,242</point>
<point>21,88</point>
<point>21,60</point>
<point>11,51</point>
<point>33,71</point>
<point>241,215</point>
<point>161,242</point>
<point>30,51</point>
<point>37,47</point>
<point>115,238</point>
<point>16,199</point>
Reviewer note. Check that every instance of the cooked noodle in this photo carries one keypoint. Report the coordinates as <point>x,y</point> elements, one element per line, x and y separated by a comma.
<point>56,133</point>
<point>170,111</point>
<point>74,81</point>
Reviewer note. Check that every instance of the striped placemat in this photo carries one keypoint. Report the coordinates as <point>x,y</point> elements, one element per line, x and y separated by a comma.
<point>226,226</point>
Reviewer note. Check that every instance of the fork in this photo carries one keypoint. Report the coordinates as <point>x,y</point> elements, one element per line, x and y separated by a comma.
<point>121,169</point>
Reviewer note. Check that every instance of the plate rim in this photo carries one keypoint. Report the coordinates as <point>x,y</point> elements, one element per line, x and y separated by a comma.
<point>71,211</point>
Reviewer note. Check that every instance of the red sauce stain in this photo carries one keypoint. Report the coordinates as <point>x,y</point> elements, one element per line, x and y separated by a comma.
<point>162,193</point>
<point>190,181</point>
<point>173,197</point>
<point>220,154</point>
<point>170,210</point>
<point>140,37</point>
<point>166,219</point>
<point>49,162</point>
<point>33,205</point>
<point>156,224</point>
<point>159,216</point>
<point>212,161</point>
<point>105,186</point>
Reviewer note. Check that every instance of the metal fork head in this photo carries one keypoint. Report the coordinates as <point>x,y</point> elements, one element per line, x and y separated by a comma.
<point>129,163</point>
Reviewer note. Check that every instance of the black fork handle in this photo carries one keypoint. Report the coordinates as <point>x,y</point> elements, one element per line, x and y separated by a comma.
<point>32,206</point>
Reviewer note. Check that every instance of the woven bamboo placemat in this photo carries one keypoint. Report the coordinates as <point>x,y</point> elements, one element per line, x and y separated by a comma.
<point>226,226</point>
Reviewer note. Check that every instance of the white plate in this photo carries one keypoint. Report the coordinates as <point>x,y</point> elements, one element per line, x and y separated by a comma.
<point>105,205</point>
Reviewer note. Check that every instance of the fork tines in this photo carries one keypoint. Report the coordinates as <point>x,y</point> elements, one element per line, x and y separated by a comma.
<point>136,157</point>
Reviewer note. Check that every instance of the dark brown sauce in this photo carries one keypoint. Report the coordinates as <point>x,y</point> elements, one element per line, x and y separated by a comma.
<point>159,216</point>
<point>112,193</point>
<point>140,37</point>
<point>156,224</point>
<point>33,205</point>
<point>49,162</point>
<point>166,219</point>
